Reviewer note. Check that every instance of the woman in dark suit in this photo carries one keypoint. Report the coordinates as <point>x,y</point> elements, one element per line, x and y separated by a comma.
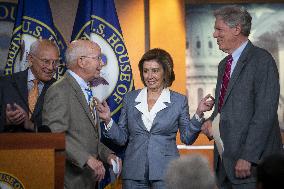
<point>149,121</point>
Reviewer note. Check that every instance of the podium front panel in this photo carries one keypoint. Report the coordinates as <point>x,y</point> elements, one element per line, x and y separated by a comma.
<point>27,168</point>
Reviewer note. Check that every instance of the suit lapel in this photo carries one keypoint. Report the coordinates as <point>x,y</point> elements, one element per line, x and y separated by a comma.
<point>141,107</point>
<point>237,71</point>
<point>161,113</point>
<point>40,99</point>
<point>165,106</point>
<point>138,117</point>
<point>138,109</point>
<point>219,80</point>
<point>20,81</point>
<point>80,96</point>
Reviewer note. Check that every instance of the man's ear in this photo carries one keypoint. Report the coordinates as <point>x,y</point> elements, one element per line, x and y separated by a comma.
<point>238,29</point>
<point>81,63</point>
<point>30,60</point>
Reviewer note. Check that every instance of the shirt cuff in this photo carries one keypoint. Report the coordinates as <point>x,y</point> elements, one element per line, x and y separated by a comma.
<point>108,126</point>
<point>199,119</point>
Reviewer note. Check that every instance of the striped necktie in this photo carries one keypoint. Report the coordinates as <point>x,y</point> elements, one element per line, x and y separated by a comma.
<point>90,100</point>
<point>225,82</point>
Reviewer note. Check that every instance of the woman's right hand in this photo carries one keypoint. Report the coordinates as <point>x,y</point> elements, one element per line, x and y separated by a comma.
<point>103,110</point>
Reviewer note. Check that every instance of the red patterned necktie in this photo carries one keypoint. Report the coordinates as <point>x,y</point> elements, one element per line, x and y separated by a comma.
<point>225,82</point>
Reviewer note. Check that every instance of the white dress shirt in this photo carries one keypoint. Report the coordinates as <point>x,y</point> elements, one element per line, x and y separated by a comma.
<point>236,55</point>
<point>149,116</point>
<point>83,84</point>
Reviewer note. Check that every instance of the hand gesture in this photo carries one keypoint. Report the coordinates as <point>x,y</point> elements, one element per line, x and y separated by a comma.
<point>205,104</point>
<point>103,110</point>
<point>15,114</point>
<point>97,167</point>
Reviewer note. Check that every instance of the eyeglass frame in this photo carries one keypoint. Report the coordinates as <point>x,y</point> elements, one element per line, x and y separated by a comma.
<point>98,58</point>
<point>46,62</point>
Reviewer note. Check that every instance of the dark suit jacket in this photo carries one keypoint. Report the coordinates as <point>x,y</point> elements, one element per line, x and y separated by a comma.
<point>157,147</point>
<point>14,89</point>
<point>1,111</point>
<point>249,125</point>
<point>66,110</point>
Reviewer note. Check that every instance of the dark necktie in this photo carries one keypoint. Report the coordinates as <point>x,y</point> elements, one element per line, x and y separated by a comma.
<point>225,82</point>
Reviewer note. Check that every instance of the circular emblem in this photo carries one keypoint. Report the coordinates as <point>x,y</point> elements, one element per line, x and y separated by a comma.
<point>9,181</point>
<point>116,75</point>
<point>23,36</point>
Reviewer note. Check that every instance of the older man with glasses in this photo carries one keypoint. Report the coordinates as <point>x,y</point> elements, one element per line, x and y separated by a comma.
<point>22,93</point>
<point>69,108</point>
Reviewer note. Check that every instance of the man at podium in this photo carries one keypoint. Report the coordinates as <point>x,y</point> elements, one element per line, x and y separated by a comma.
<point>69,108</point>
<point>22,93</point>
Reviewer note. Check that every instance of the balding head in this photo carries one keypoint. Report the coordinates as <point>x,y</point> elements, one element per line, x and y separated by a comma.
<point>84,58</point>
<point>43,59</point>
<point>36,46</point>
<point>79,48</point>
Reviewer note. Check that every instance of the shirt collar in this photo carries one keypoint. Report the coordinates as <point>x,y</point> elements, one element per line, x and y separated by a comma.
<point>158,106</point>
<point>164,97</point>
<point>237,53</point>
<point>83,84</point>
<point>31,76</point>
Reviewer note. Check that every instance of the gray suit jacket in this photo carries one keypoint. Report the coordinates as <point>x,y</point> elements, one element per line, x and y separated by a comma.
<point>249,124</point>
<point>155,149</point>
<point>66,110</point>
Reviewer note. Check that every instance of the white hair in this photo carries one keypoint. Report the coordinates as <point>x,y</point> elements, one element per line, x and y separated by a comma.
<point>190,172</point>
<point>77,49</point>
<point>72,54</point>
<point>44,42</point>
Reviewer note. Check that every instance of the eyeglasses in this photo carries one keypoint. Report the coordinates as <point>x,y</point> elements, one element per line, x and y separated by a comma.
<point>96,58</point>
<point>47,62</point>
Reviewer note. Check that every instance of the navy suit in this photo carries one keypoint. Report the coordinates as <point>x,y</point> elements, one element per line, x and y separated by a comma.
<point>14,89</point>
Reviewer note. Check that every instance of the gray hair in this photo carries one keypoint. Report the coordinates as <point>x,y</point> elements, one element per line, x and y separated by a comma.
<point>190,172</point>
<point>42,42</point>
<point>234,15</point>
<point>73,53</point>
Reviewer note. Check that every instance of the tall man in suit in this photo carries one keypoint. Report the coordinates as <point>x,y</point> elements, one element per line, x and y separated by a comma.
<point>20,109</point>
<point>67,109</point>
<point>247,93</point>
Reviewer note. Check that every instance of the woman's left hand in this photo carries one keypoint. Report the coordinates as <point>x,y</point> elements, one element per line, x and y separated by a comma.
<point>205,104</point>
